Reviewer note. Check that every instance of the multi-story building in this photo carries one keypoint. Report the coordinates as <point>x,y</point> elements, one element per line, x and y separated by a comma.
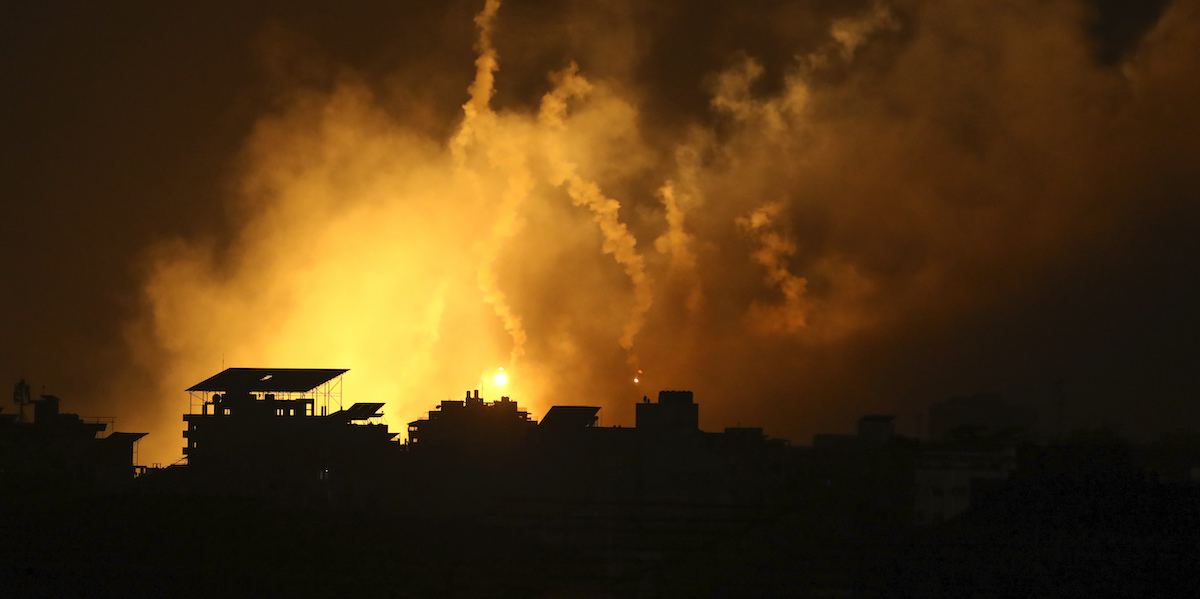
<point>281,431</point>
<point>60,453</point>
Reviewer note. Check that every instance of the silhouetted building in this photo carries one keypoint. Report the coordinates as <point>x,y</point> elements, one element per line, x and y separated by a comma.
<point>471,421</point>
<point>272,431</point>
<point>493,451</point>
<point>675,411</point>
<point>61,453</point>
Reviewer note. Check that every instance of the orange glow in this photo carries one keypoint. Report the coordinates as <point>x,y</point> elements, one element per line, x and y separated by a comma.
<point>570,236</point>
<point>415,262</point>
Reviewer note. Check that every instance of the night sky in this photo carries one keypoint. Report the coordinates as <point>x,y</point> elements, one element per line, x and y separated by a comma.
<point>803,211</point>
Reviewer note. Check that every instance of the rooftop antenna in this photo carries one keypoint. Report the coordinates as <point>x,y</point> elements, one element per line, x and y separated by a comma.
<point>22,398</point>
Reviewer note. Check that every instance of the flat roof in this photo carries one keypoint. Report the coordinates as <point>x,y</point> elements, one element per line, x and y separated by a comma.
<point>284,380</point>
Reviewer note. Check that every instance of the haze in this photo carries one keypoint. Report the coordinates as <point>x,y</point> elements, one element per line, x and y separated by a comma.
<point>801,211</point>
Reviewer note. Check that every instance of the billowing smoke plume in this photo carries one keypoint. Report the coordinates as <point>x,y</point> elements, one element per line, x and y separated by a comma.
<point>857,193</point>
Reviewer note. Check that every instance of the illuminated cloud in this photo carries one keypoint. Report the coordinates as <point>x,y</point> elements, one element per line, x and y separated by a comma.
<point>799,244</point>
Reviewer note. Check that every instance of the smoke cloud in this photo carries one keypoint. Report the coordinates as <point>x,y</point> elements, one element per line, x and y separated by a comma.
<point>834,224</point>
<point>773,254</point>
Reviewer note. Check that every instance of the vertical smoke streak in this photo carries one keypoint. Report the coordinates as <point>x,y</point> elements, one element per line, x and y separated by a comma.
<point>478,126</point>
<point>678,197</point>
<point>675,241</point>
<point>478,106</point>
<point>678,243</point>
<point>618,241</point>
<point>504,227</point>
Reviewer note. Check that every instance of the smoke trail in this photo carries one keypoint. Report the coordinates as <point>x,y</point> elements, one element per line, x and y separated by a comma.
<point>676,241</point>
<point>504,227</point>
<point>479,126</point>
<point>775,248</point>
<point>477,107</point>
<point>605,211</point>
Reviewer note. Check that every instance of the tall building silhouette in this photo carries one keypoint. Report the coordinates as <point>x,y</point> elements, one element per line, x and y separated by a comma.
<point>280,431</point>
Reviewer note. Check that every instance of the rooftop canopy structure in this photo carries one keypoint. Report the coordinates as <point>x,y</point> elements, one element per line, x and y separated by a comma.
<point>258,430</point>
<point>269,380</point>
<point>318,389</point>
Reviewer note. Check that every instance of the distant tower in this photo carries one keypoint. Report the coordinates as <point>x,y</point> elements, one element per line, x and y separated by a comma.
<point>22,398</point>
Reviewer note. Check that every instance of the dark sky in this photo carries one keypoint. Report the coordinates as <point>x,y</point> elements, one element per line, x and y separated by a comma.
<point>965,198</point>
